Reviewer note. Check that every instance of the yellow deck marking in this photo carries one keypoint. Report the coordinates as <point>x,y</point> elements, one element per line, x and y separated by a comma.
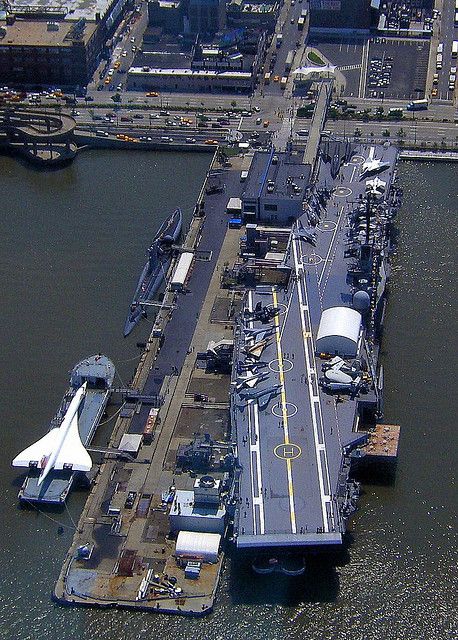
<point>285,417</point>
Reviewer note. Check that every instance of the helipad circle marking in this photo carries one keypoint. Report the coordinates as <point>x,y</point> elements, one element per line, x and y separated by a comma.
<point>312,259</point>
<point>343,192</point>
<point>327,225</point>
<point>274,365</point>
<point>357,160</point>
<point>287,451</point>
<point>291,410</point>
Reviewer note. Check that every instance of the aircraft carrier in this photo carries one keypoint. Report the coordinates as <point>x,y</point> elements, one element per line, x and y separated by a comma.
<point>306,383</point>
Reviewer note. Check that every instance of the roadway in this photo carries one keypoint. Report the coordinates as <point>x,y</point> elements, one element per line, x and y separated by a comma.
<point>412,131</point>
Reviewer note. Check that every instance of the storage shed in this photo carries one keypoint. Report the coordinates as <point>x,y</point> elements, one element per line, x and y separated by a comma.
<point>203,546</point>
<point>338,332</point>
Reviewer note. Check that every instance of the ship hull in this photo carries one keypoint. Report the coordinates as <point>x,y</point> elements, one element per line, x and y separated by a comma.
<point>155,270</point>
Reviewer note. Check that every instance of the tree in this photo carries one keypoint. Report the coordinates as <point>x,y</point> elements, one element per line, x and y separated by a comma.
<point>386,133</point>
<point>357,133</point>
<point>233,104</point>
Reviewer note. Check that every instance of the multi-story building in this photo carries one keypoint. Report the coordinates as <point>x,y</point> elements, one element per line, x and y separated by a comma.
<point>47,45</point>
<point>340,16</point>
<point>206,16</point>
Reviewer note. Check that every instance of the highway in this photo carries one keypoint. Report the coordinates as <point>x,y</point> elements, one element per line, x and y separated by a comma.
<point>410,131</point>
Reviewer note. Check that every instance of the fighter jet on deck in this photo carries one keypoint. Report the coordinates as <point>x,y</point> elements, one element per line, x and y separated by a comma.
<point>262,314</point>
<point>305,234</point>
<point>255,350</point>
<point>263,396</point>
<point>250,365</point>
<point>258,334</point>
<point>372,165</point>
<point>250,380</point>
<point>61,448</point>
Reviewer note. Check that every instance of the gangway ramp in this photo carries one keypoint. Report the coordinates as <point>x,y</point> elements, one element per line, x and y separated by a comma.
<point>318,120</point>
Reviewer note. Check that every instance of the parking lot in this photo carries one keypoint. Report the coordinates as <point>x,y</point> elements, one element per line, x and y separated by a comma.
<point>347,55</point>
<point>397,69</point>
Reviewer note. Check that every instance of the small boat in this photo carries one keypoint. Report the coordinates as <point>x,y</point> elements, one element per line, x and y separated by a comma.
<point>155,269</point>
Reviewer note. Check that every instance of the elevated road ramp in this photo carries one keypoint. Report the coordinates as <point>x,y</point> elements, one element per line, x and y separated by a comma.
<point>318,120</point>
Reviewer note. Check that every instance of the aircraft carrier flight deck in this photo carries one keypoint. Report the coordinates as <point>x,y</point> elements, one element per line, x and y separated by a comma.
<point>294,430</point>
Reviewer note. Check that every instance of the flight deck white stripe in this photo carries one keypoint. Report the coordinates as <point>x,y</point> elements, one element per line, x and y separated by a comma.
<point>331,244</point>
<point>312,409</point>
<point>254,404</point>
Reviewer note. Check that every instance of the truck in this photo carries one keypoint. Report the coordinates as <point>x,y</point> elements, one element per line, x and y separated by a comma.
<point>283,82</point>
<point>289,60</point>
<point>439,61</point>
<point>279,40</point>
<point>455,49</point>
<point>417,105</point>
<point>300,23</point>
<point>267,77</point>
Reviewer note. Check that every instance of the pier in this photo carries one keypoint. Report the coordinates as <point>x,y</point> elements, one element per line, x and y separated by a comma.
<point>127,545</point>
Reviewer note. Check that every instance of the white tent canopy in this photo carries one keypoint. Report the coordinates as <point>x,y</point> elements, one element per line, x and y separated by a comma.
<point>338,332</point>
<point>204,546</point>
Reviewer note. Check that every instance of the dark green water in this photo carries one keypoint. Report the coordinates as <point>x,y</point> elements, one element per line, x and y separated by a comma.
<point>71,245</point>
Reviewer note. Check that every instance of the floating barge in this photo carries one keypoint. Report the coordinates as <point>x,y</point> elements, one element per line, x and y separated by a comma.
<point>98,372</point>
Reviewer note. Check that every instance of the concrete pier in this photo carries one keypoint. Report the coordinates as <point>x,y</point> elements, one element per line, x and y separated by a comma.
<point>131,553</point>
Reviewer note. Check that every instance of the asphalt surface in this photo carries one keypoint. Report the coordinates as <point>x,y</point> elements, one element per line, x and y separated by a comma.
<point>181,327</point>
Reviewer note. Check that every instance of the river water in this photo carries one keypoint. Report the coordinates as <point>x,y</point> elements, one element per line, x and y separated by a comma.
<point>72,243</point>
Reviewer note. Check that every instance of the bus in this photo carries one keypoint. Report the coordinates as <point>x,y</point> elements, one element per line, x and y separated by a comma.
<point>417,105</point>
<point>455,49</point>
<point>300,23</point>
<point>289,60</point>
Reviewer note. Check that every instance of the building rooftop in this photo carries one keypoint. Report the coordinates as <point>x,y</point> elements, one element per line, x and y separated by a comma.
<point>189,72</point>
<point>35,33</point>
<point>277,174</point>
<point>73,11</point>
